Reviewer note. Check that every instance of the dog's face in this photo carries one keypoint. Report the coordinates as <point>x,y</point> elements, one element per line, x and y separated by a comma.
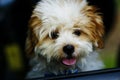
<point>64,33</point>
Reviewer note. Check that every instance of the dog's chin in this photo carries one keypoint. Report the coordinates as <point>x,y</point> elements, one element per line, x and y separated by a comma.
<point>68,61</point>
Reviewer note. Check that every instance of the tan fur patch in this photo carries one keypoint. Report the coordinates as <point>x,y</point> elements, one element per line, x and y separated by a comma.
<point>95,27</point>
<point>32,39</point>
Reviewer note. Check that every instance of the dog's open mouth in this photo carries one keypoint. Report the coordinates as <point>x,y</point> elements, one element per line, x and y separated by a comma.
<point>69,61</point>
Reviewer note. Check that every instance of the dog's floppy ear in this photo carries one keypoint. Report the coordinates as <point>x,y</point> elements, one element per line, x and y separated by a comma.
<point>99,31</point>
<point>98,41</point>
<point>96,27</point>
<point>32,39</point>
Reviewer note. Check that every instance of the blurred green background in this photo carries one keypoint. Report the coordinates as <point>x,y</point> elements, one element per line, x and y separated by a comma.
<point>110,52</point>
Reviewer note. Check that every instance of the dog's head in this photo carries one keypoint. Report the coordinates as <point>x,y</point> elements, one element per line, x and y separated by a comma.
<point>64,30</point>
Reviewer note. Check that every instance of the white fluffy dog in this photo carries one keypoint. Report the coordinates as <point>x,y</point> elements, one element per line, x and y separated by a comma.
<point>63,36</point>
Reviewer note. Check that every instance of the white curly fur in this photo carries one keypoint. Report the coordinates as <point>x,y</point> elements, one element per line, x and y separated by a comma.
<point>62,15</point>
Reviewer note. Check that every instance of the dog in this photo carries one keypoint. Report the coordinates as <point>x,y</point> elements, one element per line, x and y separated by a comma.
<point>63,37</point>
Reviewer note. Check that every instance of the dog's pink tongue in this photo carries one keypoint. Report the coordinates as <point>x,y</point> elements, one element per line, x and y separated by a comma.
<point>69,62</point>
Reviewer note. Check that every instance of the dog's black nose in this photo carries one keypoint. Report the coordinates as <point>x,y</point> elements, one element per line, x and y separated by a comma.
<point>68,49</point>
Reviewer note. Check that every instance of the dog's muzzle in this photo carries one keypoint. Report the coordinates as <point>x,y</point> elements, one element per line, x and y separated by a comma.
<point>69,60</point>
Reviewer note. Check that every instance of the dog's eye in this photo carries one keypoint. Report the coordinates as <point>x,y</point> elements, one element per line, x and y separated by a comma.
<point>54,35</point>
<point>77,32</point>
